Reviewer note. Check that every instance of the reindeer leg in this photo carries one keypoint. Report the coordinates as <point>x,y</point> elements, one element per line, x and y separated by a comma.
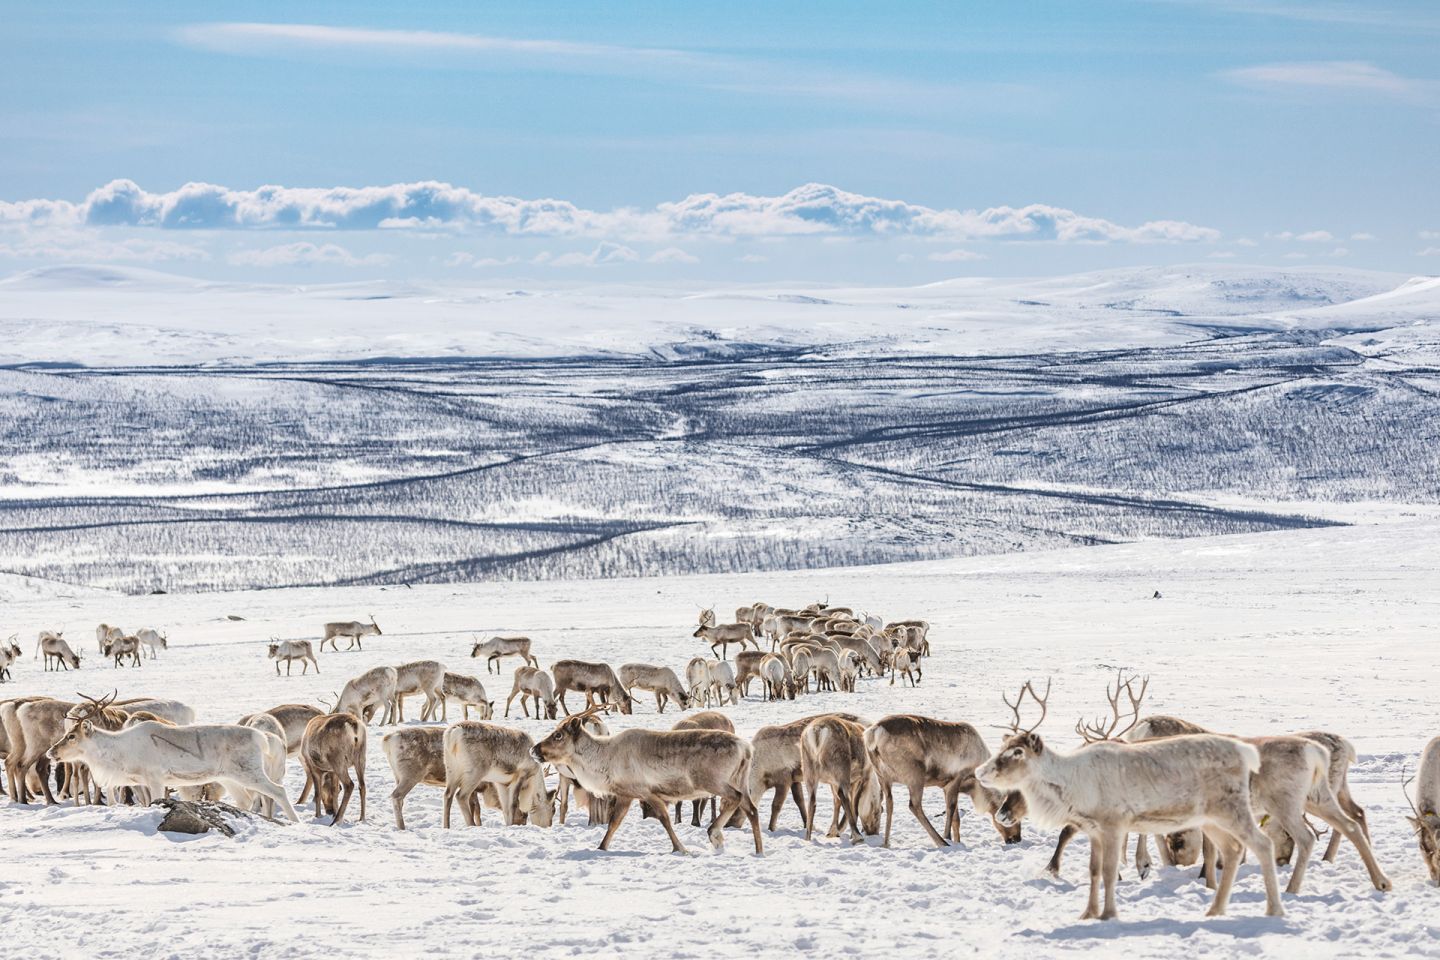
<point>1067,833</point>
<point>622,807</point>
<point>663,815</point>
<point>917,808</point>
<point>1092,906</point>
<point>1112,844</point>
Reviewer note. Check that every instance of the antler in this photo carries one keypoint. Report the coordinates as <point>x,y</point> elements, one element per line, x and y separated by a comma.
<point>1405,787</point>
<point>1098,731</point>
<point>1020,698</point>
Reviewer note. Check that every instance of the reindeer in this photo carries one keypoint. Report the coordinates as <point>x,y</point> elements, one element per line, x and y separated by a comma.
<point>416,755</point>
<point>659,680</point>
<point>702,720</point>
<point>724,634</point>
<point>293,719</point>
<point>722,682</point>
<point>56,649</point>
<point>104,634</point>
<point>331,746</point>
<point>354,629</point>
<point>532,683</point>
<point>707,616</point>
<point>497,647</point>
<point>290,650</point>
<point>697,680</point>
<point>776,765</point>
<point>362,696</point>
<point>593,680</point>
<point>779,682</point>
<point>747,668</point>
<point>658,768</point>
<point>470,692</point>
<point>419,676</point>
<point>920,752</point>
<point>1426,807</point>
<point>850,664</point>
<point>9,653</point>
<point>154,755</point>
<point>906,662</point>
<point>800,665</point>
<point>832,751</point>
<point>124,647</point>
<point>153,639</point>
<point>106,717</point>
<point>1110,788</point>
<point>478,754</point>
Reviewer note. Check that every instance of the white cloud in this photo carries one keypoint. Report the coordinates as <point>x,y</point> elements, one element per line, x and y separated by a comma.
<point>88,246</point>
<point>303,253</point>
<point>1363,237</point>
<point>1339,252</point>
<point>1308,236</point>
<point>956,256</point>
<point>1342,76</point>
<point>1428,252</point>
<point>1246,242</point>
<point>752,258</point>
<point>810,210</point>
<point>603,254</point>
<point>672,255</point>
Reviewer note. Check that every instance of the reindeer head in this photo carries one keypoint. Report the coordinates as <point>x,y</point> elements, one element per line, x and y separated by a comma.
<point>164,641</point>
<point>707,616</point>
<point>476,650</point>
<point>375,625</point>
<point>1012,765</point>
<point>1185,847</point>
<point>1427,830</point>
<point>626,704</point>
<point>14,650</point>
<point>559,747</point>
<point>70,747</point>
<point>700,630</point>
<point>274,650</point>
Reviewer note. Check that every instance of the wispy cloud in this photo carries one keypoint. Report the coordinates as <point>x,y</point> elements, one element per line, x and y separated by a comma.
<point>303,253</point>
<point>816,210</point>
<point>427,49</point>
<point>1336,76</point>
<point>1307,11</point>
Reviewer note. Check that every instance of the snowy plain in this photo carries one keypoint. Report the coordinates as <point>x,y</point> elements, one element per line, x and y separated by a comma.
<point>1256,633</point>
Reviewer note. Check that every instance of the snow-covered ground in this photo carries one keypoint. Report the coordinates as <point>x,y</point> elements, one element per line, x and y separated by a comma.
<point>111,316</point>
<point>1273,632</point>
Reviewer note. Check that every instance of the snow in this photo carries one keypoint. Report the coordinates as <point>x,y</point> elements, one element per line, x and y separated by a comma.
<point>1256,633</point>
<point>120,316</point>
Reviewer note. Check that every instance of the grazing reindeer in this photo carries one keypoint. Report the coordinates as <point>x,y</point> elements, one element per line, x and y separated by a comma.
<point>532,683</point>
<point>722,682</point>
<point>287,651</point>
<point>373,690</point>
<point>1110,788</point>
<point>697,680</point>
<point>497,647</point>
<point>9,653</point>
<point>353,629</point>
<point>920,752</point>
<point>104,634</point>
<point>906,662</point>
<point>1426,807</point>
<point>777,765</point>
<point>593,680</point>
<point>153,639</point>
<point>56,649</point>
<point>420,676</point>
<point>659,680</point>
<point>832,751</point>
<point>779,682</point>
<point>850,664</point>
<point>416,755</point>
<point>332,745</point>
<point>724,634</point>
<point>658,768</point>
<point>481,754</point>
<point>747,668</point>
<point>124,647</point>
<point>470,692</point>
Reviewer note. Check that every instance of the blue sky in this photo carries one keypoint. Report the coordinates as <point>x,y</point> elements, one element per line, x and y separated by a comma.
<point>585,140</point>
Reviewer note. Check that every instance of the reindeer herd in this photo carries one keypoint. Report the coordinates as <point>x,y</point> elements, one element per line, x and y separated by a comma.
<point>1204,797</point>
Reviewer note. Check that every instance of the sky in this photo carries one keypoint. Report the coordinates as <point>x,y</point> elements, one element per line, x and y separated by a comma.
<point>897,142</point>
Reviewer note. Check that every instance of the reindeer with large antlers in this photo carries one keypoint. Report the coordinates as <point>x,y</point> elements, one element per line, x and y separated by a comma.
<point>1108,789</point>
<point>658,768</point>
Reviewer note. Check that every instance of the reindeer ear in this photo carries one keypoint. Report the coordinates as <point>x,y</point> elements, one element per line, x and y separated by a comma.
<point>87,727</point>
